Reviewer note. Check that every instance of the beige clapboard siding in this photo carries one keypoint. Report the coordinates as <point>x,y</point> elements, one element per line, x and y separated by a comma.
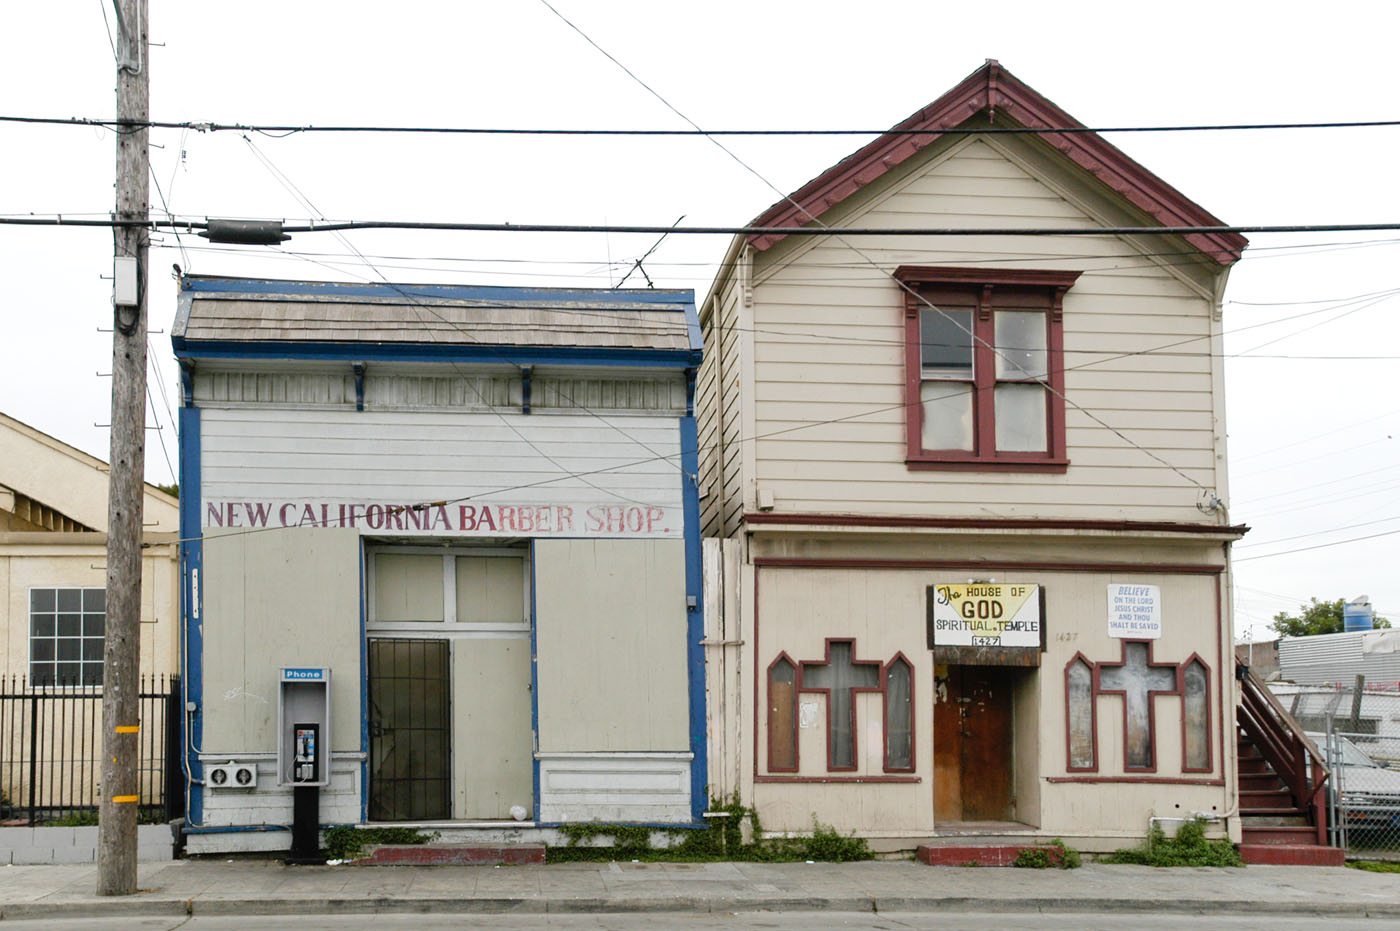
<point>828,332</point>
<point>707,432</point>
<point>732,403</point>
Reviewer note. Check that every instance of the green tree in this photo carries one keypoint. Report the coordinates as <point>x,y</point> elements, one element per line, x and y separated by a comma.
<point>1318,617</point>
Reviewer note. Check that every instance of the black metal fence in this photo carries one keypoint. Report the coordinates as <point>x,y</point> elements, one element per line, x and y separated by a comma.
<point>51,751</point>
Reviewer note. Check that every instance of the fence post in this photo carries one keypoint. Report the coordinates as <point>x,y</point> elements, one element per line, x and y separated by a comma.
<point>174,766</point>
<point>33,752</point>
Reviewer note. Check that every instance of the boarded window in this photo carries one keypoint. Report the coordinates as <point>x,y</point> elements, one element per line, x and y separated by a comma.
<point>782,716</point>
<point>408,587</point>
<point>491,588</point>
<point>1079,710</point>
<point>899,716</point>
<point>1196,709</point>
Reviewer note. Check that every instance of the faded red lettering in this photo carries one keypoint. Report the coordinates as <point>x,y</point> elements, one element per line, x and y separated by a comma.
<point>214,515</point>
<point>484,520</point>
<point>507,517</point>
<point>308,515</point>
<point>257,513</point>
<point>654,515</point>
<point>595,519</point>
<point>282,513</point>
<point>440,517</point>
<point>566,518</point>
<point>374,517</point>
<point>466,517</point>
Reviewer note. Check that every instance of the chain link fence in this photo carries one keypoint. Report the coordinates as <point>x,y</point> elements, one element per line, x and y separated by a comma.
<point>1359,731</point>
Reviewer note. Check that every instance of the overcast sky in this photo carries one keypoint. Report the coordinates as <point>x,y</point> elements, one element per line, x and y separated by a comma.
<point>1314,421</point>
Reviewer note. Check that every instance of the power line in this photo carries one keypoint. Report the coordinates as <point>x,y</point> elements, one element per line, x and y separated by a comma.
<point>312,226</point>
<point>308,128</point>
<point>1319,546</point>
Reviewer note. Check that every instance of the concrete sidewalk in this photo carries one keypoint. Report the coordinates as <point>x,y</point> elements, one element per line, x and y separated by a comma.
<point>218,887</point>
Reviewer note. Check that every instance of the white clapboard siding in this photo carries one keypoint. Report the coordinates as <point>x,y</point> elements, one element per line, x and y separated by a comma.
<point>408,456</point>
<point>828,330</point>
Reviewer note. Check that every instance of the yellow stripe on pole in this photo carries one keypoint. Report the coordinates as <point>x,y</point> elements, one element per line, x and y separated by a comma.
<point>125,799</point>
<point>128,728</point>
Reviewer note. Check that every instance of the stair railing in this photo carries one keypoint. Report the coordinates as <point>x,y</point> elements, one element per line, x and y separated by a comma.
<point>1281,741</point>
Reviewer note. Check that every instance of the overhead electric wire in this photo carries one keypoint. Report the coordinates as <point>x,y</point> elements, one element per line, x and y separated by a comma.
<point>1319,546</point>
<point>288,129</point>
<point>819,230</point>
<point>301,196</point>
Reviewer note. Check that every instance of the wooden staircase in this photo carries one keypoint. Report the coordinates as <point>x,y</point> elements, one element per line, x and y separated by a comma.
<point>1283,810</point>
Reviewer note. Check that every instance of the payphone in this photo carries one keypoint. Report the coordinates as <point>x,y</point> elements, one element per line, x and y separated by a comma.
<point>304,713</point>
<point>304,752</point>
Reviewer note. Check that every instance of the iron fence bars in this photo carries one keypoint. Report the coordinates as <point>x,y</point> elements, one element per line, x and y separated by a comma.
<point>51,745</point>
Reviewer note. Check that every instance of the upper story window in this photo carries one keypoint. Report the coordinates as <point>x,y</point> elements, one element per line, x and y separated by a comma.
<point>984,368</point>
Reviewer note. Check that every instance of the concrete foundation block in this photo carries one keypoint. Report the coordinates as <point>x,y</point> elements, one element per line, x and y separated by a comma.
<point>75,854</point>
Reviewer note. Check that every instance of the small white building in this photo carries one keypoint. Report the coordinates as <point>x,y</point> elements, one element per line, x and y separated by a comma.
<point>476,507</point>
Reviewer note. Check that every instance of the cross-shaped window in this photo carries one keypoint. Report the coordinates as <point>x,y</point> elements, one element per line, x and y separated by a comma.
<point>840,677</point>
<point>1138,679</point>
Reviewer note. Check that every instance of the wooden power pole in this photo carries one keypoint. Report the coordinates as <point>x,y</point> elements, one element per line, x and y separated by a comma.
<point>121,699</point>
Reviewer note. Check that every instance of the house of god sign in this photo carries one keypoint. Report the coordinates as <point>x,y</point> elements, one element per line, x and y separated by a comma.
<point>984,614</point>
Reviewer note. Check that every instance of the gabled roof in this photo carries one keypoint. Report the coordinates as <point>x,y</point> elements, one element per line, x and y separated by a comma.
<point>65,482</point>
<point>993,88</point>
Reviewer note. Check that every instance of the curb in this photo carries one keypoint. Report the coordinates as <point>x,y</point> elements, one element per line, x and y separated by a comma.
<point>137,905</point>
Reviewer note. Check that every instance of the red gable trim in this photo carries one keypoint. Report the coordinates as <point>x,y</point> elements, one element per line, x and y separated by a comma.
<point>993,87</point>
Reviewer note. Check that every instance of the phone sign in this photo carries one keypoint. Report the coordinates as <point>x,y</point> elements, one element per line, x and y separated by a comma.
<point>985,614</point>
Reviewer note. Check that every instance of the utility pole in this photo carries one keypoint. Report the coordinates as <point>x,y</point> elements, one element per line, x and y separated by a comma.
<point>121,699</point>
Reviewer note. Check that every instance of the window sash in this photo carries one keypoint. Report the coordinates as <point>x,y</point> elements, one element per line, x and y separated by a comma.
<point>1021,308</point>
<point>66,628</point>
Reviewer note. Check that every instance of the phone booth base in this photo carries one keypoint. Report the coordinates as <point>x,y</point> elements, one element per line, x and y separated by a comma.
<point>306,826</point>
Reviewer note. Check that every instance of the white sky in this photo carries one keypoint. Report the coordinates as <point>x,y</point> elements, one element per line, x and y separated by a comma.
<point>1314,441</point>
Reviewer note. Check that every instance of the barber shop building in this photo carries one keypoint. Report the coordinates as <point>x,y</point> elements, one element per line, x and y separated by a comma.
<point>441,556</point>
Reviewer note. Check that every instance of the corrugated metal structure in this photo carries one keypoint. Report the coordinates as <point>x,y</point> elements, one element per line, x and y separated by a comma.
<point>1337,659</point>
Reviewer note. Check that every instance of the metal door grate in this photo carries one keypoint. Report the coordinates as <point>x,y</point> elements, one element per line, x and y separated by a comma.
<point>409,731</point>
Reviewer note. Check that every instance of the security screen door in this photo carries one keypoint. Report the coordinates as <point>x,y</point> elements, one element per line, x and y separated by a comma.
<point>410,776</point>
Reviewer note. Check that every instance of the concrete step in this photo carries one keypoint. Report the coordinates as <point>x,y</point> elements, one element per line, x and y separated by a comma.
<point>451,854</point>
<point>1291,855</point>
<point>939,854</point>
<point>1298,836</point>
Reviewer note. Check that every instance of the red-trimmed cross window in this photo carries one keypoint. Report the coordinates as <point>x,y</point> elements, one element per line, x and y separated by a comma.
<point>984,368</point>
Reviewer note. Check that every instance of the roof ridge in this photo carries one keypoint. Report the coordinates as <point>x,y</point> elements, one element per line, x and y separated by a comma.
<point>991,88</point>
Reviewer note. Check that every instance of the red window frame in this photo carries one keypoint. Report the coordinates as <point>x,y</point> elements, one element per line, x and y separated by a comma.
<point>986,291</point>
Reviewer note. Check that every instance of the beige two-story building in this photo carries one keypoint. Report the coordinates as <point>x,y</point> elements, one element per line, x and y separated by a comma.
<point>969,490</point>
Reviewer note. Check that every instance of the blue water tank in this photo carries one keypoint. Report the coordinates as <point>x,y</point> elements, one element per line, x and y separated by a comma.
<point>1358,614</point>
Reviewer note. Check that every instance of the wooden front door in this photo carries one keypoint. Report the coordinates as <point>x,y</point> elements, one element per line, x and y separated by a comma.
<point>972,744</point>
